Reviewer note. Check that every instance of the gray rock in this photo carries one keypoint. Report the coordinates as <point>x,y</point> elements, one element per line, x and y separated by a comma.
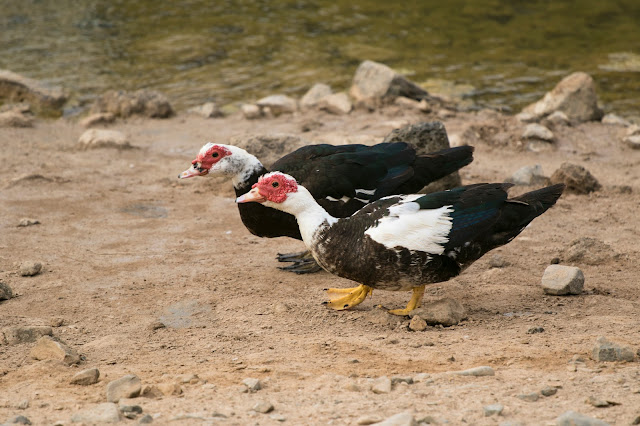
<point>529,175</point>
<point>632,141</point>
<point>278,104</point>
<point>577,179</point>
<point>43,99</point>
<point>535,330</point>
<point>5,291</point>
<point>401,379</point>
<point>560,280</point>
<point>25,221</point>
<point>445,311</point>
<point>262,407</point>
<point>130,411</point>
<point>313,95</point>
<point>375,83</point>
<point>98,119</point>
<point>86,377</point>
<point>251,111</point>
<point>49,348</point>
<point>427,137</point>
<point>337,103</point>
<point>207,110</point>
<point>529,397</point>
<point>252,385</point>
<point>537,131</point>
<point>636,421</point>
<point>25,334</point>
<point>615,120</point>
<point>589,251</point>
<point>18,420</point>
<point>128,386</point>
<point>476,371</point>
<point>549,391</point>
<point>106,412</point>
<point>604,350</point>
<point>269,147</point>
<point>597,402</point>
<point>147,418</point>
<point>100,138</point>
<point>30,268</point>
<point>571,418</point>
<point>498,261</point>
<point>147,103</point>
<point>15,119</point>
<point>556,118</point>
<point>417,323</point>
<point>490,410</point>
<point>381,385</point>
<point>575,95</point>
<point>401,419</point>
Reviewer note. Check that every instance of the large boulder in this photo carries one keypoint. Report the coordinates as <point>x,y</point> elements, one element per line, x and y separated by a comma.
<point>43,99</point>
<point>147,103</point>
<point>375,83</point>
<point>575,95</point>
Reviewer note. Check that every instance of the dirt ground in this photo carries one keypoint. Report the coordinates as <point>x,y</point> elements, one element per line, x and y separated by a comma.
<point>125,244</point>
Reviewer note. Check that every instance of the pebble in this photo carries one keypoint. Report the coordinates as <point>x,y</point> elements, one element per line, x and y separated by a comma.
<point>106,412</point>
<point>615,119</point>
<point>417,324</point>
<point>30,268</point>
<point>535,330</point>
<point>56,322</point>
<point>604,350</point>
<point>5,291</point>
<point>561,280</point>
<point>571,418</point>
<point>374,83</point>
<point>549,391</point>
<point>381,385</point>
<point>368,419</point>
<point>251,111</point>
<point>476,371</point>
<point>207,110</point>
<point>530,397</point>
<point>156,325</point>
<point>556,118</point>
<point>401,419</point>
<point>421,377</point>
<point>278,417</point>
<point>577,179</point>
<point>23,405</point>
<point>537,131</point>
<point>25,221</point>
<point>100,138</point>
<point>490,410</point>
<point>21,420</point>
<point>49,348</point>
<point>596,402</point>
<point>336,103</point>
<point>128,386</point>
<point>401,379</point>
<point>130,411</point>
<point>169,389</point>
<point>529,175</point>
<point>252,385</point>
<point>190,379</point>
<point>313,95</point>
<point>632,141</point>
<point>498,261</point>
<point>86,377</point>
<point>100,118</point>
<point>262,407</point>
<point>636,421</point>
<point>278,104</point>
<point>147,418</point>
<point>446,312</point>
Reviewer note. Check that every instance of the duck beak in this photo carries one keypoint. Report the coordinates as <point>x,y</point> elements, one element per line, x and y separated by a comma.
<point>191,172</point>
<point>253,195</point>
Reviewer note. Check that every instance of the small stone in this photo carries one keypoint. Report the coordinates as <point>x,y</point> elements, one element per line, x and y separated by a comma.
<point>152,391</point>
<point>207,110</point>
<point>23,405</point>
<point>445,311</point>
<point>5,291</point>
<point>401,419</point>
<point>100,118</point>
<point>128,386</point>
<point>381,385</point>
<point>529,175</point>
<point>597,402</point>
<point>43,99</point>
<point>147,418</point>
<point>571,418</point>
<point>421,377</point>
<point>604,350</point>
<point>313,95</point>
<point>86,377</point>
<point>25,334</point>
<point>615,120</point>
<point>170,389</point>
<point>577,179</point>
<point>48,348</point>
<point>30,268</point>
<point>636,421</point>
<point>526,117</point>
<point>633,130</point>
<point>278,417</point>
<point>560,280</point>
<point>337,103</point>
<point>529,397</point>
<point>352,386</point>
<point>278,104</point>
<point>189,379</point>
<point>106,412</point>
<point>368,419</point>
<point>100,138</point>
<point>401,379</point>
<point>557,118</point>
<point>498,261</point>
<point>476,371</point>
<point>156,325</point>
<point>25,221</point>
<point>417,323</point>
<point>251,111</point>
<point>130,411</point>
<point>263,407</point>
<point>632,141</point>
<point>490,410</point>
<point>537,131</point>
<point>375,83</point>
<point>535,330</point>
<point>549,391</point>
<point>20,420</point>
<point>56,322</point>
<point>253,385</point>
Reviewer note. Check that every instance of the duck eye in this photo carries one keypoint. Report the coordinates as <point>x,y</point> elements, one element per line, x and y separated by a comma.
<point>215,154</point>
<point>275,184</point>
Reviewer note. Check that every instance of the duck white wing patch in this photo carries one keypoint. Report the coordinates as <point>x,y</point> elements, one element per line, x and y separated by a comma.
<point>408,226</point>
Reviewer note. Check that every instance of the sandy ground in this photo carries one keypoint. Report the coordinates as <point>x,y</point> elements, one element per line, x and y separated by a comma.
<point>124,245</point>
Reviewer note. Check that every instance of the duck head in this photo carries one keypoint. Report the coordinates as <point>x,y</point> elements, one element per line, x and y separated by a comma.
<point>273,189</point>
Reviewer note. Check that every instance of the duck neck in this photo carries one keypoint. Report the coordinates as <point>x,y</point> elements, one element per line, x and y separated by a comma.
<point>244,168</point>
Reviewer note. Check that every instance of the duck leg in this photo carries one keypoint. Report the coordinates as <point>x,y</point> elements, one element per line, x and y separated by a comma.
<point>303,262</point>
<point>352,297</point>
<point>416,300</point>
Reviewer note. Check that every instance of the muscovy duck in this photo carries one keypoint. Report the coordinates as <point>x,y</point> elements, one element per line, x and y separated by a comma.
<point>404,242</point>
<point>342,180</point>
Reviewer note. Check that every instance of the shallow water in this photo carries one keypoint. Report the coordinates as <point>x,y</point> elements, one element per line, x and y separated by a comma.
<point>503,54</point>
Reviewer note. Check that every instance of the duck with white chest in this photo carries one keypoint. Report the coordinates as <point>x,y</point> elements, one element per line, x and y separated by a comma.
<point>404,242</point>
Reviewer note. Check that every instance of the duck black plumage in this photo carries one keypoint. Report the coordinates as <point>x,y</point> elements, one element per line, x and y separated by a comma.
<point>404,242</point>
<point>342,179</point>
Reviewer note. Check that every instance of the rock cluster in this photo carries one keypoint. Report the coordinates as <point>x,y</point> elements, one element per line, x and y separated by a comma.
<point>44,100</point>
